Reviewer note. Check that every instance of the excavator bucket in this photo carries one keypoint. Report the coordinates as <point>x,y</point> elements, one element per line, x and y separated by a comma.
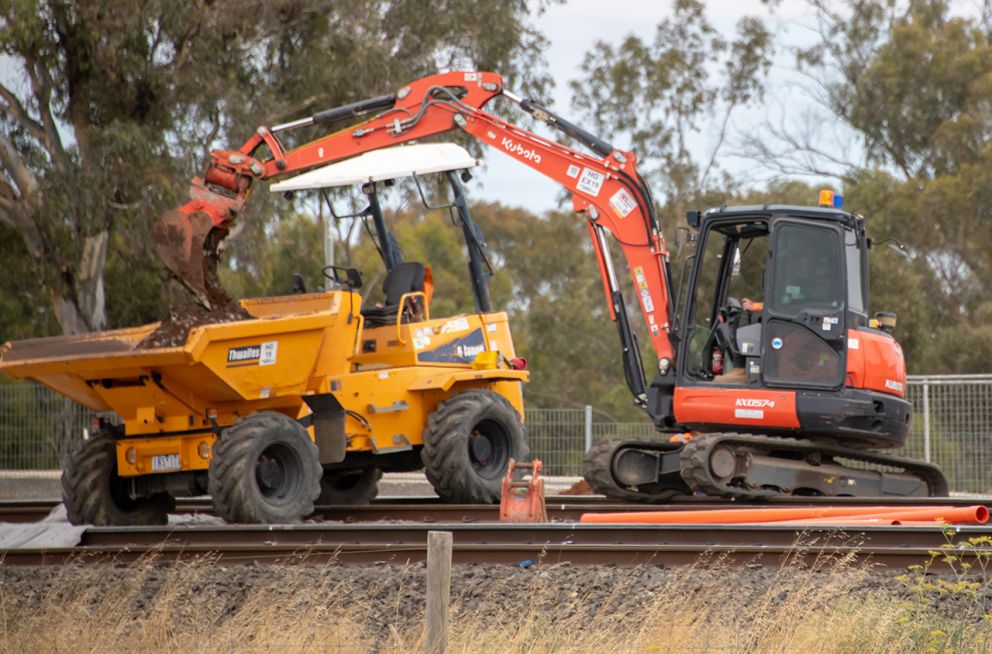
<point>181,242</point>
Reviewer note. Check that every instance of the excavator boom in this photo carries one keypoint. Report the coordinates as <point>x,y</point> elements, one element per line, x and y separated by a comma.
<point>606,188</point>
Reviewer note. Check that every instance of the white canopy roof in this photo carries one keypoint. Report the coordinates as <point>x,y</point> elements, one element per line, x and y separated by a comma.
<point>377,165</point>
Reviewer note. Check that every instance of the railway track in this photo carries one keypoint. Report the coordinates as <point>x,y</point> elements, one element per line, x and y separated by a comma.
<point>561,508</point>
<point>394,531</point>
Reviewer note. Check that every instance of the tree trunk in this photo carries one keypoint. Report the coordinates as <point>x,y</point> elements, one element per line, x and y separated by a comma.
<point>80,302</point>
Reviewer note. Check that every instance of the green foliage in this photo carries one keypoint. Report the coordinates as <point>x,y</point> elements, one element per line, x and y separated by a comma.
<point>915,84</point>
<point>659,94</point>
<point>141,90</point>
<point>966,564</point>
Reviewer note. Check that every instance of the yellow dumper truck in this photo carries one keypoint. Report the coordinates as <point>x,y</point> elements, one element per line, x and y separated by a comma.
<point>306,401</point>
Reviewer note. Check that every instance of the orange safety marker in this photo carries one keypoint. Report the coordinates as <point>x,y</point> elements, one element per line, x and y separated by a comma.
<point>523,495</point>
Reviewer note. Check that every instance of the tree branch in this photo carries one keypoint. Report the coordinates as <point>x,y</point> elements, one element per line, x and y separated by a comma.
<point>27,183</point>
<point>16,110</point>
<point>41,83</point>
<point>716,149</point>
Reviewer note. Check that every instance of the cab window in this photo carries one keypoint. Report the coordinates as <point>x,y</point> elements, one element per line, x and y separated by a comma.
<point>808,273</point>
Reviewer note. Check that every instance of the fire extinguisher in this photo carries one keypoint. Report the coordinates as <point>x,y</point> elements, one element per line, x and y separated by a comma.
<point>716,363</point>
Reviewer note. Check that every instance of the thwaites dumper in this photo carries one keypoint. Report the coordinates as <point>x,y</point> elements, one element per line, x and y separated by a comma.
<point>309,401</point>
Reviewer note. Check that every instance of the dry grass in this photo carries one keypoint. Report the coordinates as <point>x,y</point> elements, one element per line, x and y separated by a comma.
<point>707,608</point>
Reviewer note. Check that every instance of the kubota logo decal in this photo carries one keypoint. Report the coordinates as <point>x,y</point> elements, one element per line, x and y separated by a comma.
<point>893,385</point>
<point>755,404</point>
<point>513,147</point>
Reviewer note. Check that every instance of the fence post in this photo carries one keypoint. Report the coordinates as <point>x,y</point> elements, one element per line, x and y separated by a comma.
<point>926,422</point>
<point>588,427</point>
<point>438,590</point>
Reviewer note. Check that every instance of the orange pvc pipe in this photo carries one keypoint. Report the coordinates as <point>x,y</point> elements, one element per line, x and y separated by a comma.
<point>955,515</point>
<point>779,514</point>
<point>974,515</point>
<point>729,516</point>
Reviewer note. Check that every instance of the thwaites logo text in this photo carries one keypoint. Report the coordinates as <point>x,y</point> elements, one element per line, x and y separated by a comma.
<point>755,404</point>
<point>515,148</point>
<point>263,354</point>
<point>241,354</point>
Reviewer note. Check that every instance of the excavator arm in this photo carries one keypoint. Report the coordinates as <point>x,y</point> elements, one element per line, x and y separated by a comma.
<point>606,189</point>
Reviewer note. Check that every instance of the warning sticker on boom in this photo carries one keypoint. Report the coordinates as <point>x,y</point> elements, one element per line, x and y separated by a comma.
<point>622,203</point>
<point>590,182</point>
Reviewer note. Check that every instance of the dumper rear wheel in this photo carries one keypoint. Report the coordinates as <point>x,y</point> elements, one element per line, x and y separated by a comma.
<point>359,486</point>
<point>93,494</point>
<point>468,444</point>
<point>264,470</point>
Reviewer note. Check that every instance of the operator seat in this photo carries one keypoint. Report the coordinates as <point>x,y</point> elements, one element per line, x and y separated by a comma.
<point>407,277</point>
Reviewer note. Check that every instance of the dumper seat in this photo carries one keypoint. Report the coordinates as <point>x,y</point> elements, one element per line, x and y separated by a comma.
<point>407,277</point>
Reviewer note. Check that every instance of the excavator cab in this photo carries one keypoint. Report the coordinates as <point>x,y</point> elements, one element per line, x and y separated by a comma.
<point>772,297</point>
<point>775,318</point>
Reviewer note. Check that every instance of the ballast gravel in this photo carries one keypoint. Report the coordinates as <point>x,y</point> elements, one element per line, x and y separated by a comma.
<point>388,594</point>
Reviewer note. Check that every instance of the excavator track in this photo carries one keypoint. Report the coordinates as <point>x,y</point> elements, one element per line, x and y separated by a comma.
<point>599,471</point>
<point>608,474</point>
<point>756,467</point>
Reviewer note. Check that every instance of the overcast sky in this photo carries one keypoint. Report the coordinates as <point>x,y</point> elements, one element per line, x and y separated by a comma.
<point>573,27</point>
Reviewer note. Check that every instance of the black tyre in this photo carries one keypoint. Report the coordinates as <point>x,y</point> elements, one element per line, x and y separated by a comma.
<point>469,441</point>
<point>93,494</point>
<point>358,486</point>
<point>264,470</point>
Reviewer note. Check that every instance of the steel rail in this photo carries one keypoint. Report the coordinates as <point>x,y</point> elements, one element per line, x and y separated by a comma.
<point>561,508</point>
<point>500,543</point>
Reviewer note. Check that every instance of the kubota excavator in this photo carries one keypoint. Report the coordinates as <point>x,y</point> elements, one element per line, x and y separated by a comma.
<point>794,395</point>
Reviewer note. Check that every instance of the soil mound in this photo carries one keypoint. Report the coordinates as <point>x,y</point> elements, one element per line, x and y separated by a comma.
<point>190,313</point>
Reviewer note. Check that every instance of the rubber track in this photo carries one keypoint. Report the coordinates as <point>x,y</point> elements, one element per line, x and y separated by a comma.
<point>597,469</point>
<point>445,454</point>
<point>232,471</point>
<point>86,488</point>
<point>695,463</point>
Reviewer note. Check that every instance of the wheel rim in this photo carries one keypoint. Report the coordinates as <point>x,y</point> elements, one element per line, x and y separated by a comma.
<point>278,473</point>
<point>489,449</point>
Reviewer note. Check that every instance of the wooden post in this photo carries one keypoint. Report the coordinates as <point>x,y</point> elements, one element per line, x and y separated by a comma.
<point>438,590</point>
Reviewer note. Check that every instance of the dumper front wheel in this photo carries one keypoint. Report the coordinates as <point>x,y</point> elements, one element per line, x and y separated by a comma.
<point>359,486</point>
<point>468,444</point>
<point>93,494</point>
<point>264,470</point>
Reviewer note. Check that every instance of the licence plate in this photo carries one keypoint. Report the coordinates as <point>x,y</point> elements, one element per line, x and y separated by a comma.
<point>164,462</point>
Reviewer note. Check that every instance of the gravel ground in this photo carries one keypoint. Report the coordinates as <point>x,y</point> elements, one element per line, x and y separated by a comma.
<point>394,595</point>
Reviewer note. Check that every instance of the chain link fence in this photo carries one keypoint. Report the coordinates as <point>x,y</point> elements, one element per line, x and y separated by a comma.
<point>36,426</point>
<point>952,427</point>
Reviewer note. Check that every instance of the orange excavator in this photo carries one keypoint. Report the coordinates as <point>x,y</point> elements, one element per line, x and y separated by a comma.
<point>798,394</point>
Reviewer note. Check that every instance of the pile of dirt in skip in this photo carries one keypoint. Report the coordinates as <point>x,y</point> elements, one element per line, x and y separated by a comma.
<point>190,313</point>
